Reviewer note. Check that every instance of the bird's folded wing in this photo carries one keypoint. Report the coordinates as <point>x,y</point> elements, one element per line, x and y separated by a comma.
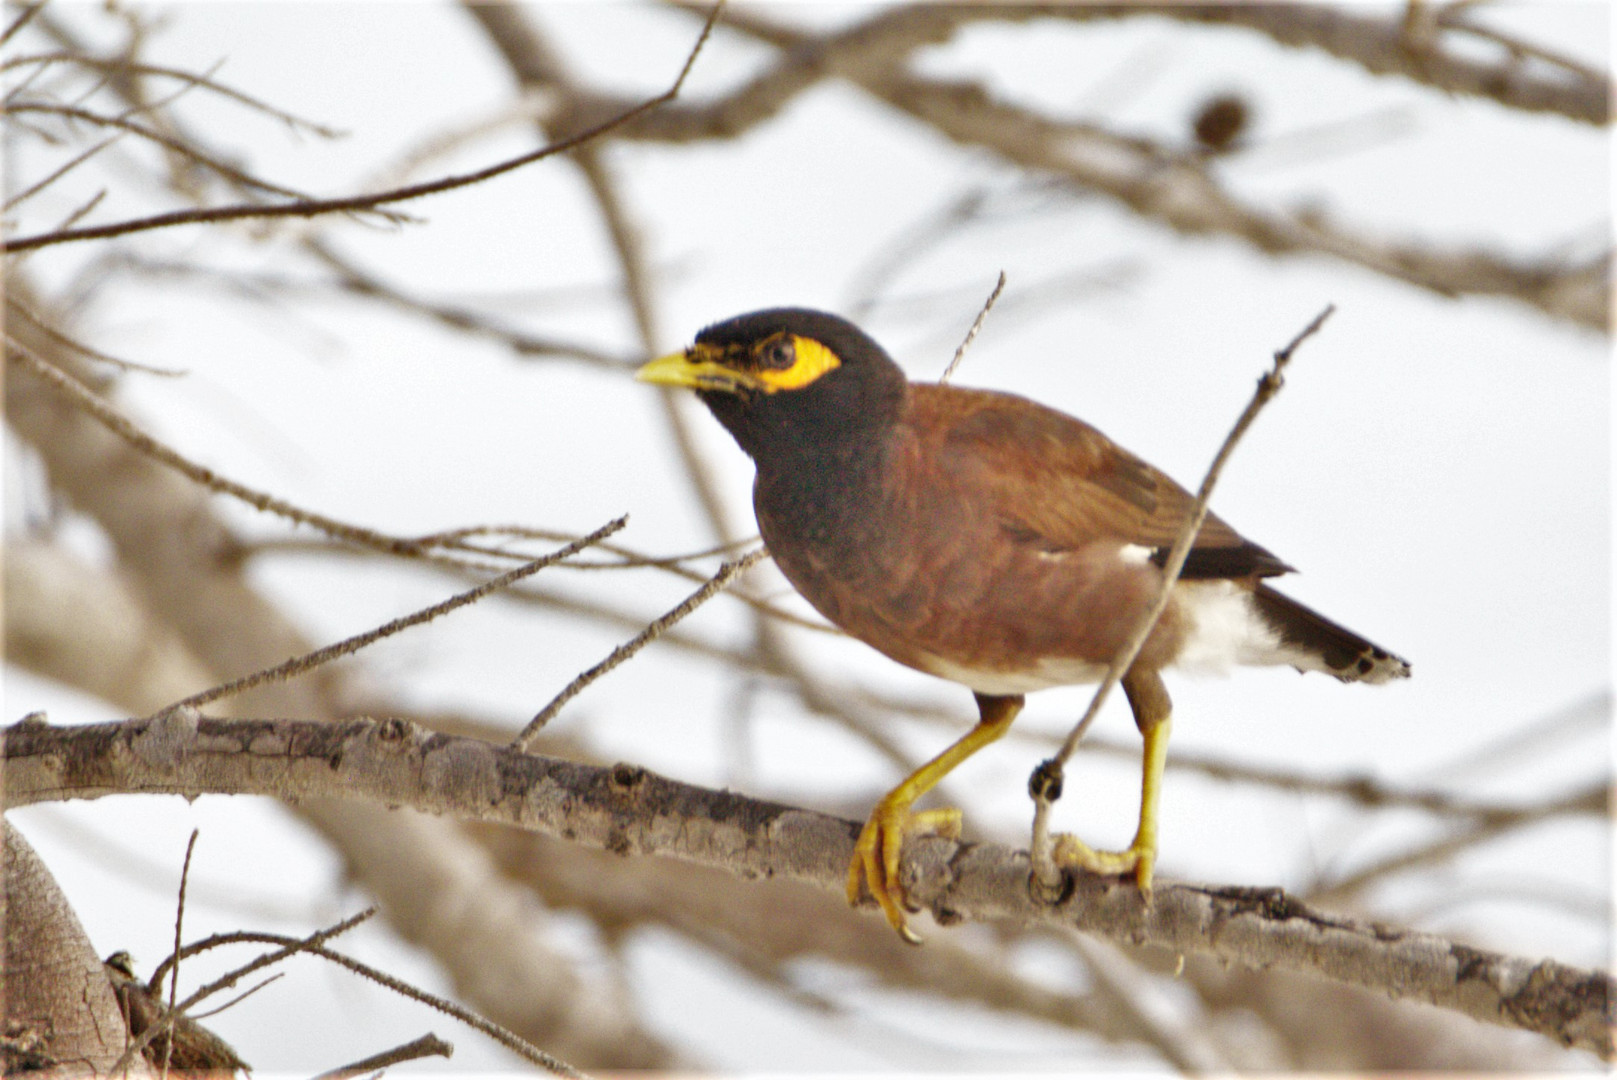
<point>1057,483</point>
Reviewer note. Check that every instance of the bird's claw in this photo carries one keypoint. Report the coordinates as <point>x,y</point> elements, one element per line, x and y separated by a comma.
<point>879,848</point>
<point>1139,858</point>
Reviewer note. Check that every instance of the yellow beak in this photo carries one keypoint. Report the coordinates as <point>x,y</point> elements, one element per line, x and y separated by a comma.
<point>696,370</point>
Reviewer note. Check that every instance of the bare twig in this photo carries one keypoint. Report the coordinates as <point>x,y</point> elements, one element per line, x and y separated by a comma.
<point>315,207</point>
<point>124,66</point>
<point>718,581</point>
<point>179,939</point>
<point>976,325</point>
<point>361,283</point>
<point>1591,713</point>
<point>1591,799</point>
<point>77,213</point>
<point>44,327</point>
<point>297,665</point>
<point>173,145</point>
<point>429,1045</point>
<point>626,559</point>
<point>57,173</point>
<point>1183,1042</point>
<point>1453,17</point>
<point>97,408</point>
<point>230,978</point>
<point>499,1034</point>
<point>239,998</point>
<point>28,11</point>
<point>1049,875</point>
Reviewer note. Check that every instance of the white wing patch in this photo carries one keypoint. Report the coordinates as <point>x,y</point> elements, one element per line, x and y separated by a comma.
<point>1134,554</point>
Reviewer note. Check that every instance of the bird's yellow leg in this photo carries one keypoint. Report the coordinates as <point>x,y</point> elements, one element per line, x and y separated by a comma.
<point>1141,855</point>
<point>1154,715</point>
<point>881,842</point>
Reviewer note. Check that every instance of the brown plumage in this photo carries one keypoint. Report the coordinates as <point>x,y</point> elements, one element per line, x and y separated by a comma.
<point>986,539</point>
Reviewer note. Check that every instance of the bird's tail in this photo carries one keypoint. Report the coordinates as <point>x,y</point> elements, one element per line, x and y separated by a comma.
<point>1339,650</point>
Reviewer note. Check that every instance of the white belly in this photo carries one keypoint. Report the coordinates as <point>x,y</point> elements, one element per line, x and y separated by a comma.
<point>1225,630</point>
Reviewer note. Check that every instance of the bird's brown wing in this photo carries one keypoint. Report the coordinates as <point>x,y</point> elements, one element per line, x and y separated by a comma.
<point>1056,482</point>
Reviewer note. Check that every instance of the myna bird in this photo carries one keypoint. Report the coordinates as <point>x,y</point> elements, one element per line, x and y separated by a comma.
<point>196,1050</point>
<point>989,540</point>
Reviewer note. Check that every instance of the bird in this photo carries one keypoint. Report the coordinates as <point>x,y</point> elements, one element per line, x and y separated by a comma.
<point>989,540</point>
<point>196,1051</point>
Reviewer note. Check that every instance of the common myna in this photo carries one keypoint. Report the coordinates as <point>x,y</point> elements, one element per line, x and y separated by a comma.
<point>196,1051</point>
<point>986,539</point>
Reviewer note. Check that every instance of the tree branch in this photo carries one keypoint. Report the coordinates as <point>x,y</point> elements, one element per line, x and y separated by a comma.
<point>352,203</point>
<point>1152,180</point>
<point>1381,45</point>
<point>629,810</point>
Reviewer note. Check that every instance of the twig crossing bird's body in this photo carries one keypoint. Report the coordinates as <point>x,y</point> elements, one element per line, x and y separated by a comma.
<point>988,540</point>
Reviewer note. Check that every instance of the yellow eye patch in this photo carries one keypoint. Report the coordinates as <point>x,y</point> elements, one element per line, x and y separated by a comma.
<point>812,360</point>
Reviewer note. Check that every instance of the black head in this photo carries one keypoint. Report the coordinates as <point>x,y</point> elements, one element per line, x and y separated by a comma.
<point>789,381</point>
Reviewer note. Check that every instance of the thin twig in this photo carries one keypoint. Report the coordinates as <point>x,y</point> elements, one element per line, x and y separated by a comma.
<point>557,601</point>
<point>179,939</point>
<point>84,208</point>
<point>177,146</point>
<point>125,67</point>
<point>98,409</point>
<point>1179,1034</point>
<point>230,978</point>
<point>1040,785</point>
<point>976,325</point>
<point>623,652</point>
<point>509,1039</point>
<point>1456,19</point>
<point>361,283</point>
<point>60,171</point>
<point>429,1045</point>
<point>535,66</point>
<point>314,207</point>
<point>82,349</point>
<point>1591,713</point>
<point>297,665</point>
<point>28,12</point>
<point>1593,798</point>
<point>239,998</point>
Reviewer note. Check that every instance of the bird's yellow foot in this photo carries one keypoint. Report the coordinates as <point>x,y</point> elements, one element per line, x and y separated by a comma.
<point>881,843</point>
<point>1140,857</point>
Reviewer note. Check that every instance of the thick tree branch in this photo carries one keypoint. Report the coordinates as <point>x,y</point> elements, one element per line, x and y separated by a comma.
<point>1518,76</point>
<point>57,1010</point>
<point>629,810</point>
<point>1155,181</point>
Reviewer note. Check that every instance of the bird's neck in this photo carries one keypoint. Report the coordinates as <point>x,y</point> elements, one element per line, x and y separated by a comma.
<point>819,480</point>
<point>829,428</point>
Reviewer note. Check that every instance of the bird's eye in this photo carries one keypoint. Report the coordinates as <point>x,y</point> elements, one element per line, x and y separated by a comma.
<point>778,355</point>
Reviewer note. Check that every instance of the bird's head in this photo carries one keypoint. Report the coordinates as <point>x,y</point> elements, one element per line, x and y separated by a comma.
<point>787,377</point>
